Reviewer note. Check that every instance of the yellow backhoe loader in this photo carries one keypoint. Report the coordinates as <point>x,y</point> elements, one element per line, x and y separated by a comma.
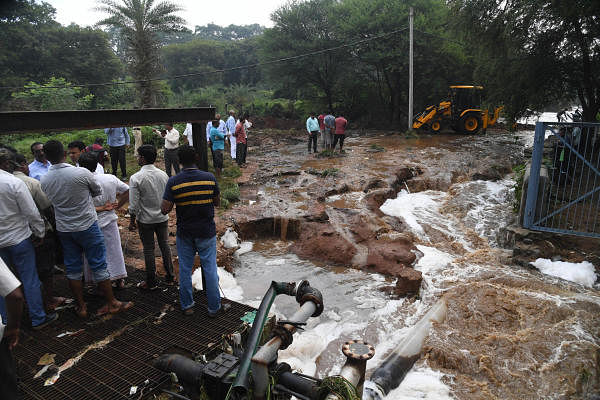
<point>462,112</point>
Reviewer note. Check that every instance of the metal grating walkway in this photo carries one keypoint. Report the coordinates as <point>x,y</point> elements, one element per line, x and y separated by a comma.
<point>140,335</point>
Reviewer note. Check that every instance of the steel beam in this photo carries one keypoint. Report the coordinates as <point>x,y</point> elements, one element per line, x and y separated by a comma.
<point>51,121</point>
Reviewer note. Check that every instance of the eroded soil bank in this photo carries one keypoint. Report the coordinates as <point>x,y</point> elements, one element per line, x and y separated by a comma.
<point>386,229</point>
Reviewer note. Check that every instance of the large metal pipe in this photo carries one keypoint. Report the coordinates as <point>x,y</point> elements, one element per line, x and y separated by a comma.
<point>188,371</point>
<point>240,384</point>
<point>268,352</point>
<point>300,384</point>
<point>357,353</point>
<point>394,368</point>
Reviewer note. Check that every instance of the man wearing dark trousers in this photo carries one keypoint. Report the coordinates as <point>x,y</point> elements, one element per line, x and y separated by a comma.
<point>146,189</point>
<point>312,127</point>
<point>171,136</point>
<point>10,290</point>
<point>118,142</point>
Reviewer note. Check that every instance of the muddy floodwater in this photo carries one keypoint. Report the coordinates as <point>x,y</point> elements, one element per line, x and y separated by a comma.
<point>437,208</point>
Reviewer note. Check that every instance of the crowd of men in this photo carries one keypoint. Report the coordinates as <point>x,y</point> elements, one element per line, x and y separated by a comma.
<point>331,129</point>
<point>63,214</point>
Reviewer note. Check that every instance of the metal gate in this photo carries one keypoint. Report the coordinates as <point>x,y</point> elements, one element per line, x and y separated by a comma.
<point>563,194</point>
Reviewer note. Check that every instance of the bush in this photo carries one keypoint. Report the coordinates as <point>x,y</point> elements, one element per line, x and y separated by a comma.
<point>231,194</point>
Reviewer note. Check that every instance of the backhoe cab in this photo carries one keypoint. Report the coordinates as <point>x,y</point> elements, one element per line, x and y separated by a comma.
<point>462,112</point>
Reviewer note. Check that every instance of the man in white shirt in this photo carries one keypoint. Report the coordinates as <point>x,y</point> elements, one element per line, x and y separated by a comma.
<point>146,189</point>
<point>189,133</point>
<point>114,194</point>
<point>45,253</point>
<point>20,218</point>
<point>230,131</point>
<point>76,149</point>
<point>10,292</point>
<point>171,136</point>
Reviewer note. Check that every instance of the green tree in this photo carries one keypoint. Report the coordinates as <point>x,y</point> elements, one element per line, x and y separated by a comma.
<point>140,22</point>
<point>535,53</point>
<point>228,33</point>
<point>438,60</point>
<point>37,48</point>
<point>56,94</point>
<point>206,56</point>
<point>305,27</point>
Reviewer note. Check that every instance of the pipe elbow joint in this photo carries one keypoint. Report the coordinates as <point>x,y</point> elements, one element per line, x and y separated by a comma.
<point>305,293</point>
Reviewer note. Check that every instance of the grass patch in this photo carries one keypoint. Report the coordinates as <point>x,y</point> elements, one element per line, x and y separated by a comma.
<point>330,172</point>
<point>325,153</point>
<point>232,193</point>
<point>377,148</point>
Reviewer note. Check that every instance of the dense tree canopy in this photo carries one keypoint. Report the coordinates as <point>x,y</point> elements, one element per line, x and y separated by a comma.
<point>528,54</point>
<point>37,48</point>
<point>536,52</point>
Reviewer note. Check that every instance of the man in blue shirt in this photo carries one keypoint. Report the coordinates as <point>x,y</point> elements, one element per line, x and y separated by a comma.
<point>39,167</point>
<point>217,137</point>
<point>195,193</point>
<point>118,142</point>
<point>312,126</point>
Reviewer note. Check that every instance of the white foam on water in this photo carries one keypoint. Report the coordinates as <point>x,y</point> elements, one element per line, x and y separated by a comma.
<point>486,204</point>
<point>276,262</point>
<point>413,208</point>
<point>230,239</point>
<point>421,383</point>
<point>308,345</point>
<point>227,282</point>
<point>245,247</point>
<point>583,273</point>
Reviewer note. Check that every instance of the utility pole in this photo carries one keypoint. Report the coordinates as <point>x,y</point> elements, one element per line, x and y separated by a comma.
<point>411,16</point>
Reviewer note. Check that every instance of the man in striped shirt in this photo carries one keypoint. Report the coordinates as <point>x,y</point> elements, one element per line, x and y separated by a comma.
<point>195,193</point>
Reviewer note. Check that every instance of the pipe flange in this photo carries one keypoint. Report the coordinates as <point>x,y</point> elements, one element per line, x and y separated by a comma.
<point>305,293</point>
<point>286,336</point>
<point>358,350</point>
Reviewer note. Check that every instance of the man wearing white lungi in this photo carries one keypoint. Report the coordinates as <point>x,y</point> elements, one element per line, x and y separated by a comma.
<point>230,131</point>
<point>114,194</point>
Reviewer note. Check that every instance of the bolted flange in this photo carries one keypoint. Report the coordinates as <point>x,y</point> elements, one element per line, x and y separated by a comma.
<point>358,350</point>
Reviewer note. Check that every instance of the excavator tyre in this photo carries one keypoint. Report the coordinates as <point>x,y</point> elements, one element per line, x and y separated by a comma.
<point>470,123</point>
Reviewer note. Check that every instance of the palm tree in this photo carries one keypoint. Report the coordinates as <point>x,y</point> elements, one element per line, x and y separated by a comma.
<point>139,21</point>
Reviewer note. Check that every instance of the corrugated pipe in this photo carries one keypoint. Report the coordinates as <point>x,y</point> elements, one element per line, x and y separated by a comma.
<point>392,371</point>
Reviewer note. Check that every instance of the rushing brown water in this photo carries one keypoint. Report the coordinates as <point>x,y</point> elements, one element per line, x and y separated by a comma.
<point>510,332</point>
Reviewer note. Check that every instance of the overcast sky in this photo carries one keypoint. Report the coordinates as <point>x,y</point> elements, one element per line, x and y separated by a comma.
<point>196,12</point>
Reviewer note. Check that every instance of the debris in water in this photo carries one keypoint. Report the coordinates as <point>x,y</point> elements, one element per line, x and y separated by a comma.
<point>582,273</point>
<point>42,371</point>
<point>46,359</point>
<point>52,380</point>
<point>249,317</point>
<point>230,239</point>
<point>97,345</point>
<point>245,247</point>
<point>165,309</point>
<point>69,333</point>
